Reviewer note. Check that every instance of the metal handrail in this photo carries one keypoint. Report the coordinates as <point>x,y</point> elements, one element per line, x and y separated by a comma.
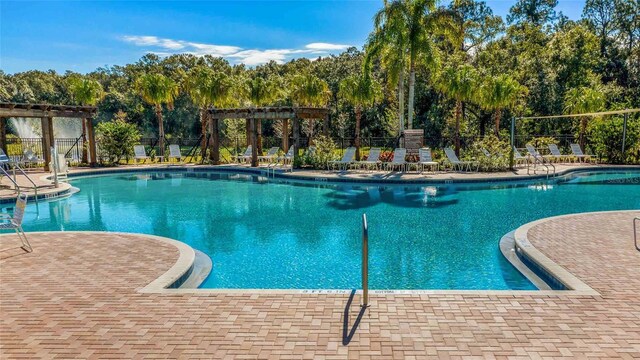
<point>365,261</point>
<point>8,176</point>
<point>635,233</point>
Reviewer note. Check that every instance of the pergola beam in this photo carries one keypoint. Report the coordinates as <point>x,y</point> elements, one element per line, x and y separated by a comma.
<point>45,110</point>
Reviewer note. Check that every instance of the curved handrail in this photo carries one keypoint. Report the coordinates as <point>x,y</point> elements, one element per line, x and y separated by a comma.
<point>635,233</point>
<point>365,261</point>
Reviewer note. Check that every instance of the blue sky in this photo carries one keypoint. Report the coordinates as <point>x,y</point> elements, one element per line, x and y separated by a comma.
<point>83,35</point>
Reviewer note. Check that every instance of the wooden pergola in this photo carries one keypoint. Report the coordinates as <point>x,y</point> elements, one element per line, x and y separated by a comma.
<point>254,117</point>
<point>46,113</point>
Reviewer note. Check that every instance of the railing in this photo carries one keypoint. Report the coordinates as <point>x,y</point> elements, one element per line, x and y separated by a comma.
<point>365,261</point>
<point>635,233</point>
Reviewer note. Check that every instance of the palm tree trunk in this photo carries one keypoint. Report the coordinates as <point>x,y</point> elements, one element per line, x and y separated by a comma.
<point>160,129</point>
<point>412,88</point>
<point>85,157</point>
<point>357,137</point>
<point>496,117</point>
<point>203,132</point>
<point>457,134</point>
<point>583,130</point>
<point>401,101</point>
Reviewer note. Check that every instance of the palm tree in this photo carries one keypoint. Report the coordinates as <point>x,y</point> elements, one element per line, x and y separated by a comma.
<point>86,92</point>
<point>157,89</point>
<point>457,83</point>
<point>309,90</point>
<point>582,100</point>
<point>498,93</point>
<point>208,88</point>
<point>261,92</point>
<point>406,29</point>
<point>360,91</point>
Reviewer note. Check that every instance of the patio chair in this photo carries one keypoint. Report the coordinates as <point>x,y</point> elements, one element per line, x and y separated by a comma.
<point>518,158</point>
<point>426,160</point>
<point>457,163</point>
<point>62,166</point>
<point>373,160</point>
<point>286,158</point>
<point>556,154</point>
<point>174,152</point>
<point>29,158</point>
<point>534,153</point>
<point>399,155</point>
<point>139,153</point>
<point>577,152</point>
<point>244,157</point>
<point>9,222</point>
<point>347,159</point>
<point>272,154</point>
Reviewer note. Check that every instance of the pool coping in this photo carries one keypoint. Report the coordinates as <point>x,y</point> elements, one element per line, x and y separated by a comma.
<point>284,175</point>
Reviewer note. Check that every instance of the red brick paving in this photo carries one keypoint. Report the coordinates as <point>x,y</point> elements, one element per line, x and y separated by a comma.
<point>76,297</point>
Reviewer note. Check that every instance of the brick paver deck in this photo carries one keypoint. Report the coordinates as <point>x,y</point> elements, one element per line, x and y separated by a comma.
<point>77,296</point>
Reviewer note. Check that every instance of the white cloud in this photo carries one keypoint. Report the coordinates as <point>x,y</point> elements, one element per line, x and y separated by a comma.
<point>326,46</point>
<point>251,57</point>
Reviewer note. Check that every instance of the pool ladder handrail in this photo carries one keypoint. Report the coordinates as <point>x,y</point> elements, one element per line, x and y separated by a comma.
<point>545,164</point>
<point>635,233</point>
<point>365,262</point>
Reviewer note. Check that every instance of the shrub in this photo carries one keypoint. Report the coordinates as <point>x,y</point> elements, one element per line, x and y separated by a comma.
<point>499,150</point>
<point>117,137</point>
<point>325,152</point>
<point>605,136</point>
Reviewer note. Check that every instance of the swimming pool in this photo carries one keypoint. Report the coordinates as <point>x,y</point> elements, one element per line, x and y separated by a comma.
<point>272,234</point>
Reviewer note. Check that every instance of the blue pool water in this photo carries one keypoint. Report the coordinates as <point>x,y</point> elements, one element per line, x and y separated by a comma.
<point>282,235</point>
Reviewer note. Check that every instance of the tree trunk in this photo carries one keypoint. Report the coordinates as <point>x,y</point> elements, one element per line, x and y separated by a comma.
<point>203,132</point>
<point>401,102</point>
<point>583,130</point>
<point>412,88</point>
<point>357,137</point>
<point>496,117</point>
<point>457,134</point>
<point>85,157</point>
<point>160,130</point>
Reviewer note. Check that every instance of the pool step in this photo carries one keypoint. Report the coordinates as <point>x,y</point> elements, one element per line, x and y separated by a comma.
<point>202,266</point>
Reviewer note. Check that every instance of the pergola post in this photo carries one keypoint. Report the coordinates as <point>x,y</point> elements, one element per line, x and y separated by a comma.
<point>248,131</point>
<point>296,141</point>
<point>93,152</point>
<point>84,141</point>
<point>46,141</point>
<point>285,135</point>
<point>3,135</point>
<point>325,125</point>
<point>254,142</point>
<point>215,141</point>
<point>259,127</point>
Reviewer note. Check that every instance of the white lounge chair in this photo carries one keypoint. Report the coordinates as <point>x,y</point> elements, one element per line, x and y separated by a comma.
<point>577,153</point>
<point>272,154</point>
<point>373,159</point>
<point>399,155</point>
<point>244,157</point>
<point>174,152</point>
<point>347,159</point>
<point>30,158</point>
<point>426,160</point>
<point>286,158</point>
<point>556,154</point>
<point>139,153</point>
<point>457,163</point>
<point>9,222</point>
<point>534,153</point>
<point>518,158</point>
